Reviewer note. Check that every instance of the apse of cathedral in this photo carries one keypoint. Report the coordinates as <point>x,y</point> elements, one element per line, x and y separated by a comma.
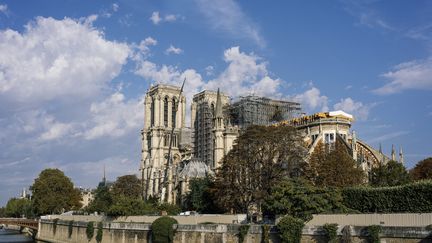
<point>173,152</point>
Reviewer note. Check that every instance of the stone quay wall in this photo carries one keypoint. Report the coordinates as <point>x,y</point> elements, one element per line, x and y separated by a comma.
<point>117,232</point>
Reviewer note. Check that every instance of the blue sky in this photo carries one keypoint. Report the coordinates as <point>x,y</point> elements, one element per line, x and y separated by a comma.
<point>73,73</point>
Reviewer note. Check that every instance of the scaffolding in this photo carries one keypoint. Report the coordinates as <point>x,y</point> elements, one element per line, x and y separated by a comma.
<point>255,110</point>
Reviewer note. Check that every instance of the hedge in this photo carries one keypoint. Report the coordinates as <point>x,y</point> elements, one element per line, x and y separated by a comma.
<point>162,230</point>
<point>410,198</point>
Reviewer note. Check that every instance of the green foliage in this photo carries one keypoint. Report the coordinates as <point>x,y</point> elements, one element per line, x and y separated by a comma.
<point>70,228</point>
<point>99,232</point>
<point>18,207</point>
<point>2,212</point>
<point>162,230</point>
<point>391,174</point>
<point>55,222</point>
<point>124,206</point>
<point>128,186</point>
<point>53,193</point>
<point>411,198</point>
<point>265,233</point>
<point>422,170</point>
<point>200,197</point>
<point>260,157</point>
<point>300,199</point>
<point>290,229</point>
<point>333,167</point>
<point>243,230</point>
<point>90,230</point>
<point>346,234</point>
<point>374,233</point>
<point>331,232</point>
<point>171,209</point>
<point>102,200</point>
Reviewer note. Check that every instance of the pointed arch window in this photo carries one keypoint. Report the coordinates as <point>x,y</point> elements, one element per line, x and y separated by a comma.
<point>174,112</point>
<point>166,112</point>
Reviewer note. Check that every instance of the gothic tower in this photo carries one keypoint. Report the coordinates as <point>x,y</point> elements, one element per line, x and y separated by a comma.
<point>160,116</point>
<point>218,132</point>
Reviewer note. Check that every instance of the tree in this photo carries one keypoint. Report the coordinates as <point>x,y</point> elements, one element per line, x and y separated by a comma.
<point>391,174</point>
<point>53,192</point>
<point>261,156</point>
<point>18,207</point>
<point>335,168</point>
<point>200,197</point>
<point>300,199</point>
<point>102,200</point>
<point>422,170</point>
<point>126,206</point>
<point>128,186</point>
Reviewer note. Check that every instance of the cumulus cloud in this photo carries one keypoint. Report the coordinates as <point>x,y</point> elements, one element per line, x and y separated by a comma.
<point>409,75</point>
<point>57,58</point>
<point>114,117</point>
<point>245,74</point>
<point>156,18</point>
<point>142,50</point>
<point>312,100</point>
<point>356,108</point>
<point>173,50</point>
<point>226,16</point>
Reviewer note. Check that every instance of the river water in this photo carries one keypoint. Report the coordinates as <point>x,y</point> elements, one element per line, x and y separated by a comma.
<point>14,236</point>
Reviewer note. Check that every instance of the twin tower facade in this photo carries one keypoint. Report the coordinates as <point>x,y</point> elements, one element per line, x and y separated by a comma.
<point>205,142</point>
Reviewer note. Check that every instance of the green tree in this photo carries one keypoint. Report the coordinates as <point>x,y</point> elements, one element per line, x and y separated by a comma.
<point>333,167</point>
<point>18,207</point>
<point>127,186</point>
<point>422,170</point>
<point>124,206</point>
<point>391,174</point>
<point>53,192</point>
<point>102,200</point>
<point>290,229</point>
<point>2,212</point>
<point>200,197</point>
<point>162,230</point>
<point>300,199</point>
<point>261,156</point>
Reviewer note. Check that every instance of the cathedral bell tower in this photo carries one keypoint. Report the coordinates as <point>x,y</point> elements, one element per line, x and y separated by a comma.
<point>218,132</point>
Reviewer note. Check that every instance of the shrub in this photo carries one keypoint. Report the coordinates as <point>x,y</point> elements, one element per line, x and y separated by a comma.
<point>90,230</point>
<point>265,233</point>
<point>99,232</point>
<point>162,230</point>
<point>331,232</point>
<point>374,233</point>
<point>243,230</point>
<point>346,234</point>
<point>70,228</point>
<point>55,221</point>
<point>413,198</point>
<point>290,229</point>
<point>171,209</point>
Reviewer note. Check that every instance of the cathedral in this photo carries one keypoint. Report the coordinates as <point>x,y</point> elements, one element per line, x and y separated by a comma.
<point>173,153</point>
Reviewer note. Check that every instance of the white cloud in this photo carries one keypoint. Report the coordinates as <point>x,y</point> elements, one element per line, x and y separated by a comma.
<point>312,100</point>
<point>142,51</point>
<point>115,7</point>
<point>358,109</point>
<point>409,75</point>
<point>209,70</point>
<point>57,58</point>
<point>156,18</point>
<point>173,50</point>
<point>114,116</point>
<point>245,74</point>
<point>226,16</point>
<point>4,9</point>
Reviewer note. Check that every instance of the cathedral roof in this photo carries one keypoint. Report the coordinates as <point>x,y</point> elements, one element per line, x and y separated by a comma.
<point>195,169</point>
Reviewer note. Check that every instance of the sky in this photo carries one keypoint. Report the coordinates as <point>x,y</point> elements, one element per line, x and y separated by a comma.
<point>73,73</point>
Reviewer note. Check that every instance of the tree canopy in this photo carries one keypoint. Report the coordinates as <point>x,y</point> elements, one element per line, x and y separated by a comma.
<point>18,207</point>
<point>300,199</point>
<point>422,170</point>
<point>391,174</point>
<point>53,192</point>
<point>261,156</point>
<point>127,186</point>
<point>200,197</point>
<point>333,166</point>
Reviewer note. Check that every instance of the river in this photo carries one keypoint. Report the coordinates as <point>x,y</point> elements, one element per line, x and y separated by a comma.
<point>14,236</point>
